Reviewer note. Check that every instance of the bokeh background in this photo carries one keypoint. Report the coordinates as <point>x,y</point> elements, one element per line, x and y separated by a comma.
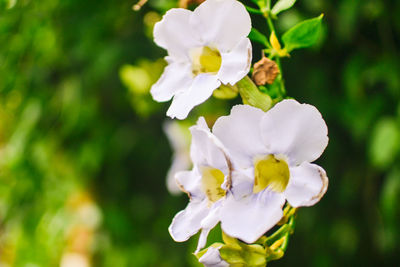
<point>83,153</point>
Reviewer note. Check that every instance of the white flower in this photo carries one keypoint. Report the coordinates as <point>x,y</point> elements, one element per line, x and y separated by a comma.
<point>205,184</point>
<point>179,139</point>
<point>205,47</point>
<point>212,258</point>
<point>271,154</point>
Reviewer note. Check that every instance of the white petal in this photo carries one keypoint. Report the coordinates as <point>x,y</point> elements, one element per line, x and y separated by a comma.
<point>249,218</point>
<point>295,130</point>
<point>200,90</point>
<point>212,258</point>
<point>206,149</point>
<point>175,33</point>
<point>307,185</point>
<point>189,182</point>
<point>187,222</point>
<point>222,22</point>
<point>236,63</point>
<point>208,223</point>
<point>242,183</point>
<point>179,139</point>
<point>175,78</point>
<point>240,134</point>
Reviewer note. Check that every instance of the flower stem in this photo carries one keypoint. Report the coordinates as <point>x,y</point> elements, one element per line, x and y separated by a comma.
<point>278,60</point>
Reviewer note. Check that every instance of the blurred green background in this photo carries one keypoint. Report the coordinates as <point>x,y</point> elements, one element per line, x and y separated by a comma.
<point>83,155</point>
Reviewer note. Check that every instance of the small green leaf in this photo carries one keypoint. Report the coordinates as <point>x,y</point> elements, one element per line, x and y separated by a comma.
<point>253,10</point>
<point>282,5</point>
<point>257,36</point>
<point>304,34</point>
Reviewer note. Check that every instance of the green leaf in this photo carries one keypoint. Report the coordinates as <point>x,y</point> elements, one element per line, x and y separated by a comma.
<point>304,34</point>
<point>282,5</point>
<point>257,36</point>
<point>253,10</point>
<point>385,142</point>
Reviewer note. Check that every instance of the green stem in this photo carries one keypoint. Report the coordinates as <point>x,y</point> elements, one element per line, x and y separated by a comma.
<point>278,60</point>
<point>287,228</point>
<point>278,234</point>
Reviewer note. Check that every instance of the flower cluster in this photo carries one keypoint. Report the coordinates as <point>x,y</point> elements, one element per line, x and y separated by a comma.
<point>248,167</point>
<point>254,168</point>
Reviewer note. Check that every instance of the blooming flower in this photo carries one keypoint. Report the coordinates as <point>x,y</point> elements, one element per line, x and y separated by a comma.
<point>179,139</point>
<point>205,47</point>
<point>205,184</point>
<point>271,154</point>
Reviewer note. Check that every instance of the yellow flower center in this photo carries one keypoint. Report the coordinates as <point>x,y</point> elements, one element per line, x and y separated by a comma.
<point>205,60</point>
<point>272,173</point>
<point>211,182</point>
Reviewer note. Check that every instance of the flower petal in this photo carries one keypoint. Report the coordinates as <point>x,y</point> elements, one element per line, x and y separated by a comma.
<point>208,223</point>
<point>189,182</point>
<point>236,63</point>
<point>295,130</point>
<point>212,258</point>
<point>240,134</point>
<point>206,149</point>
<point>249,218</point>
<point>187,222</point>
<point>175,33</point>
<point>179,139</point>
<point>175,78</point>
<point>200,90</point>
<point>307,185</point>
<point>242,183</point>
<point>222,22</point>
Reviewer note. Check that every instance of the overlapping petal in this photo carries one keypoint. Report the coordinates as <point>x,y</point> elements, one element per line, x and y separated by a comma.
<point>176,34</point>
<point>175,78</point>
<point>201,89</point>
<point>222,22</point>
<point>307,185</point>
<point>240,134</point>
<point>235,63</point>
<point>249,218</point>
<point>188,221</point>
<point>295,130</point>
<point>206,149</point>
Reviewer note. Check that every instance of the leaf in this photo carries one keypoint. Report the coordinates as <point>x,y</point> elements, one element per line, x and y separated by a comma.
<point>304,34</point>
<point>385,142</point>
<point>282,5</point>
<point>257,36</point>
<point>253,10</point>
